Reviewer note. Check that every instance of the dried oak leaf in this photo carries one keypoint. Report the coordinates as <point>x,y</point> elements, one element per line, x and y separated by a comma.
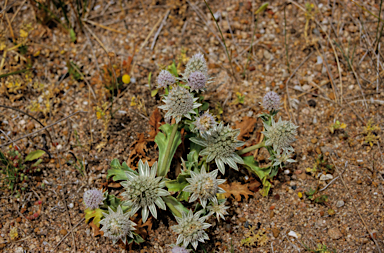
<point>142,229</point>
<point>154,122</point>
<point>236,189</point>
<point>96,230</point>
<point>246,126</point>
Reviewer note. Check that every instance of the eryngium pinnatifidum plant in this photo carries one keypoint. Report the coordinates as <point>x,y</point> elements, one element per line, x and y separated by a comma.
<point>219,209</point>
<point>271,101</point>
<point>93,198</point>
<point>197,81</point>
<point>282,156</point>
<point>280,134</point>
<point>117,225</point>
<point>196,63</point>
<point>144,191</point>
<point>204,186</point>
<point>191,229</point>
<point>205,122</point>
<point>220,145</point>
<point>165,79</point>
<point>179,103</point>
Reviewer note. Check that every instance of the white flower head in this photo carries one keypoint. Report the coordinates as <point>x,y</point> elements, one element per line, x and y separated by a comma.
<point>283,156</point>
<point>205,122</point>
<point>280,135</point>
<point>117,225</point>
<point>191,229</point>
<point>220,145</point>
<point>271,101</point>
<point>144,191</point>
<point>179,103</point>
<point>165,79</point>
<point>219,209</point>
<point>196,63</point>
<point>93,198</point>
<point>204,186</point>
<point>177,249</point>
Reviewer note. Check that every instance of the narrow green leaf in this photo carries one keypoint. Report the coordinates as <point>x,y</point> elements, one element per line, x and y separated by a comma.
<point>175,206</point>
<point>253,166</point>
<point>34,155</point>
<point>162,139</point>
<point>154,92</point>
<point>175,186</point>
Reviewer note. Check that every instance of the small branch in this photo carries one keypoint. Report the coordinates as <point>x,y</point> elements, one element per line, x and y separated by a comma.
<point>57,122</point>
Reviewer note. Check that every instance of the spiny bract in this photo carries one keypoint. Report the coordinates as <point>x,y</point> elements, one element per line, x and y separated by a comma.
<point>280,134</point>
<point>196,63</point>
<point>117,225</point>
<point>144,191</point>
<point>283,156</point>
<point>197,81</point>
<point>165,79</point>
<point>271,101</point>
<point>191,229</point>
<point>93,198</point>
<point>219,209</point>
<point>205,122</point>
<point>179,103</point>
<point>220,144</point>
<point>204,186</point>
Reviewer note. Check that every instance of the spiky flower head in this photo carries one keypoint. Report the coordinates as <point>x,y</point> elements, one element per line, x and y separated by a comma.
<point>177,249</point>
<point>196,63</point>
<point>204,186</point>
<point>220,144</point>
<point>197,81</point>
<point>283,156</point>
<point>144,191</point>
<point>191,228</point>
<point>219,209</point>
<point>165,79</point>
<point>205,122</point>
<point>271,101</point>
<point>179,103</point>
<point>280,134</point>
<point>93,198</point>
<point>117,225</point>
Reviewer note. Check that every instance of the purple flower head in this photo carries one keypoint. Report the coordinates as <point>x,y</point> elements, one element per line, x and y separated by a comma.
<point>205,122</point>
<point>271,101</point>
<point>197,80</point>
<point>93,198</point>
<point>165,79</point>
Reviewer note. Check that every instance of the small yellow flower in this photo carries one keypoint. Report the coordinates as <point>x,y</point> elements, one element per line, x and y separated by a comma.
<point>126,79</point>
<point>300,194</point>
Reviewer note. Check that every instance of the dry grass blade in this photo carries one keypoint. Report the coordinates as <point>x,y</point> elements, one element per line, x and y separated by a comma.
<point>105,27</point>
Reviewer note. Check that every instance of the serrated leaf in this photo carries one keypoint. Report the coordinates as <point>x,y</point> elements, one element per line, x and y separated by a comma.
<point>119,171</point>
<point>96,214</point>
<point>34,155</point>
<point>162,140</point>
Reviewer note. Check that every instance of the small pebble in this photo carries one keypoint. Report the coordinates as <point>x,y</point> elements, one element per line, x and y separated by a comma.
<point>70,205</point>
<point>340,203</point>
<point>63,232</point>
<point>314,140</point>
<point>335,233</point>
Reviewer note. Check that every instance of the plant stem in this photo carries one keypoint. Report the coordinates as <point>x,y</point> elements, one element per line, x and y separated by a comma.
<point>163,169</point>
<point>251,148</point>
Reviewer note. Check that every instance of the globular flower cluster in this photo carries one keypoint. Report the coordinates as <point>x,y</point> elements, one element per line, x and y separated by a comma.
<point>191,228</point>
<point>271,101</point>
<point>197,81</point>
<point>283,156</point>
<point>196,63</point>
<point>205,122</point>
<point>165,79</point>
<point>220,145</point>
<point>204,186</point>
<point>144,191</point>
<point>219,209</point>
<point>93,198</point>
<point>177,249</point>
<point>179,103</point>
<point>117,225</point>
<point>280,134</point>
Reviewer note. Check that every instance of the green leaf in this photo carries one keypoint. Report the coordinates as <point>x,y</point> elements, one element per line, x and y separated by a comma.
<point>154,92</point>
<point>34,155</point>
<point>37,162</point>
<point>204,107</point>
<point>137,238</point>
<point>253,166</point>
<point>175,206</point>
<point>183,196</point>
<point>119,171</point>
<point>72,34</point>
<point>96,214</point>
<point>162,140</point>
<point>266,187</point>
<point>149,80</point>
<point>175,186</point>
<point>173,69</point>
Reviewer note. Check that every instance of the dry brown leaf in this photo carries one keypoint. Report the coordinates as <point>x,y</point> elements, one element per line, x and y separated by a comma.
<point>236,189</point>
<point>154,122</point>
<point>96,230</point>
<point>140,228</point>
<point>246,126</point>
